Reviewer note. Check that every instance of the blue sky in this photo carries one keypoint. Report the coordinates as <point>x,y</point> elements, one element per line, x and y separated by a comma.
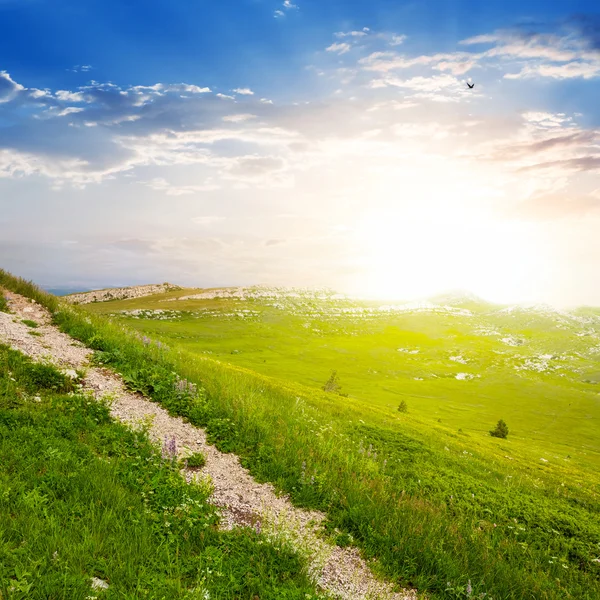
<point>303,142</point>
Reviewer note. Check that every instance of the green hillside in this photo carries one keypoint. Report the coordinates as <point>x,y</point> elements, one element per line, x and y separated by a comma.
<point>432,497</point>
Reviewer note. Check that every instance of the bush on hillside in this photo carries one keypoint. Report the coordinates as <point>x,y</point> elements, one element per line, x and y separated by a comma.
<point>333,383</point>
<point>501,430</point>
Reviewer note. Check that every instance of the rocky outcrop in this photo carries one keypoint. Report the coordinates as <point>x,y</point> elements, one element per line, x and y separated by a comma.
<point>124,293</point>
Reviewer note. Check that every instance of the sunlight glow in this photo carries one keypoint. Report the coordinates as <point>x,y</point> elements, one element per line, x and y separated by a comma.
<point>444,241</point>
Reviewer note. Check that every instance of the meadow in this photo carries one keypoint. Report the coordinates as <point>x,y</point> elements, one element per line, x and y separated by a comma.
<point>465,366</point>
<point>428,494</point>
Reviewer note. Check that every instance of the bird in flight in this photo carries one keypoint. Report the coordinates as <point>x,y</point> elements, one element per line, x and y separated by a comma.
<point>470,85</point>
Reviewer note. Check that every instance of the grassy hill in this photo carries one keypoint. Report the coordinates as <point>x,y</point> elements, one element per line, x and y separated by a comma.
<point>428,493</point>
<point>465,365</point>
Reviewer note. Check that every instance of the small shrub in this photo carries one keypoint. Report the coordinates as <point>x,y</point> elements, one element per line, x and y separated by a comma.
<point>29,323</point>
<point>501,430</point>
<point>343,540</point>
<point>3,303</point>
<point>43,376</point>
<point>333,383</point>
<point>403,407</point>
<point>195,461</point>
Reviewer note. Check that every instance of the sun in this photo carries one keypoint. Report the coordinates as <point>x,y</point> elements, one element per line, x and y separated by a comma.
<point>409,255</point>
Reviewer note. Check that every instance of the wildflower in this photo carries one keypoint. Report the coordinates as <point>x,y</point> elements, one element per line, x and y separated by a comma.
<point>469,589</point>
<point>169,449</point>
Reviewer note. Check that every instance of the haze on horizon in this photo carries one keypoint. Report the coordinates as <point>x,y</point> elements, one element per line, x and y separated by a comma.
<point>304,144</point>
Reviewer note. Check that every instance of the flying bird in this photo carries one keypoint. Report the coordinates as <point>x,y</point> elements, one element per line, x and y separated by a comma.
<point>470,85</point>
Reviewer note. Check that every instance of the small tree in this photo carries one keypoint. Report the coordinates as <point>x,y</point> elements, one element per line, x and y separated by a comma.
<point>333,383</point>
<point>501,430</point>
<point>403,407</point>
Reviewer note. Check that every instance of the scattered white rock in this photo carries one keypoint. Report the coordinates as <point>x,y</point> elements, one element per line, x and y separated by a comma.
<point>99,584</point>
<point>137,291</point>
<point>464,376</point>
<point>459,359</point>
<point>511,341</point>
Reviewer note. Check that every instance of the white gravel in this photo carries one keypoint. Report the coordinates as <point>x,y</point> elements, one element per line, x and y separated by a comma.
<point>341,572</point>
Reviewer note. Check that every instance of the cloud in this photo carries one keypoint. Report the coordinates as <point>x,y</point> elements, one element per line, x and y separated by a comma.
<point>243,141</point>
<point>339,48</point>
<point>352,34</point>
<point>385,62</point>
<point>66,96</point>
<point>162,185</point>
<point>578,164</point>
<point>9,89</point>
<point>565,71</point>
<point>238,118</point>
<point>397,40</point>
<point>558,54</point>
<point>69,111</point>
<point>81,68</point>
<point>287,6</point>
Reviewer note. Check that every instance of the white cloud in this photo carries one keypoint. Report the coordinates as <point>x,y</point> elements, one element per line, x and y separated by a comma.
<point>546,119</point>
<point>384,62</point>
<point>244,91</point>
<point>339,48</point>
<point>356,34</point>
<point>397,40</point>
<point>565,71</point>
<point>162,185</point>
<point>67,96</point>
<point>278,14</point>
<point>81,68</point>
<point>9,89</point>
<point>238,118</point>
<point>184,87</point>
<point>69,111</point>
<point>225,96</point>
<point>288,4</point>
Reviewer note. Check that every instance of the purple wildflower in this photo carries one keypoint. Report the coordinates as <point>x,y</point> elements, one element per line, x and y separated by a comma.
<point>169,449</point>
<point>185,388</point>
<point>469,589</point>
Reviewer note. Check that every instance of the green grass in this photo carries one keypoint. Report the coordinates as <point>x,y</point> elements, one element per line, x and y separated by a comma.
<point>82,497</point>
<point>29,323</point>
<point>435,506</point>
<point>195,460</point>
<point>3,303</point>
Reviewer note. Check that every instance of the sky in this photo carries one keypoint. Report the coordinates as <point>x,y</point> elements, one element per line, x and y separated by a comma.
<point>304,143</point>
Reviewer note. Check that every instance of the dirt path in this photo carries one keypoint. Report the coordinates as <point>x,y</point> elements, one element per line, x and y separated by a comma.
<point>338,571</point>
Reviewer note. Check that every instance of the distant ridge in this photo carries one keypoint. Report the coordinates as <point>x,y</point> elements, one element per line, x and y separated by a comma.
<point>123,293</point>
<point>457,298</point>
